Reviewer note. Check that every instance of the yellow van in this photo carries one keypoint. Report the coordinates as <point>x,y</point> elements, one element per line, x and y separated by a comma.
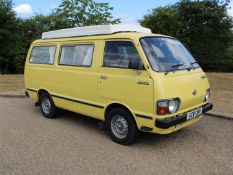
<point>123,75</point>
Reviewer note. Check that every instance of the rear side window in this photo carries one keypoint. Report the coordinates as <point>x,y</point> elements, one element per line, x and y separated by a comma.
<point>77,55</point>
<point>43,54</point>
<point>119,53</point>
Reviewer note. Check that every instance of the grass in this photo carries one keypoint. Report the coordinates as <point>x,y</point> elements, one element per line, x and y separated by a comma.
<point>221,81</point>
<point>221,89</point>
<point>11,83</point>
<point>222,92</point>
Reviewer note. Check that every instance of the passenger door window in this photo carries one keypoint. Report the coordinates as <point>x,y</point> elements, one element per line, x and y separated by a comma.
<point>119,53</point>
<point>43,54</point>
<point>77,55</point>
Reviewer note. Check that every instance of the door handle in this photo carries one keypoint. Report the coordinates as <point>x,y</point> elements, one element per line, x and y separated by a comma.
<point>143,82</point>
<point>103,77</point>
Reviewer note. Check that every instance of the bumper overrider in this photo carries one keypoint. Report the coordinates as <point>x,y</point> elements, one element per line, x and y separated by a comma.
<point>167,123</point>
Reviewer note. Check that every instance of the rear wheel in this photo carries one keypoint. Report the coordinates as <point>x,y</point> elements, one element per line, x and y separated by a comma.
<point>47,106</point>
<point>121,126</point>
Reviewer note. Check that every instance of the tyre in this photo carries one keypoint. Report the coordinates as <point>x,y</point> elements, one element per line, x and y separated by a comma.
<point>121,126</point>
<point>47,106</point>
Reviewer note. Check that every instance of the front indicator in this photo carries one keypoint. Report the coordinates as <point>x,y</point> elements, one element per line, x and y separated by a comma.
<point>207,96</point>
<point>162,107</point>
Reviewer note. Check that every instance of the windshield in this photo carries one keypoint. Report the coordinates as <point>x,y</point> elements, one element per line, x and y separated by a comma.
<point>167,54</point>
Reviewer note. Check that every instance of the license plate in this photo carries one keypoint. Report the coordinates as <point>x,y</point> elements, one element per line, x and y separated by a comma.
<point>194,113</point>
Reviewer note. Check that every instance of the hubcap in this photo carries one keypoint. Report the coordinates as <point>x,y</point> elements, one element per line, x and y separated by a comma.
<point>46,105</point>
<point>119,127</point>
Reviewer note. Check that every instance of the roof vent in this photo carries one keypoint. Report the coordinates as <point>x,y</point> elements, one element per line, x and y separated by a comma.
<point>94,30</point>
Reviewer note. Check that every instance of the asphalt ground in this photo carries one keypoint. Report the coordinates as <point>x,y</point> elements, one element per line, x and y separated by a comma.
<point>73,144</point>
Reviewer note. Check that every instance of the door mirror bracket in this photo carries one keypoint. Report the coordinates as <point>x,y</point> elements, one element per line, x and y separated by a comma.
<point>135,65</point>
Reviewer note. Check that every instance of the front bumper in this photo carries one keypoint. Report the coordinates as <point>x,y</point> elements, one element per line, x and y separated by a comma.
<point>167,123</point>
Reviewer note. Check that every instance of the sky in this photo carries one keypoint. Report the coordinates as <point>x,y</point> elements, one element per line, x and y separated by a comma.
<point>130,11</point>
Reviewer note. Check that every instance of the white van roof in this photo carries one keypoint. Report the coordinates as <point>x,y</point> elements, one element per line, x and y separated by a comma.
<point>94,30</point>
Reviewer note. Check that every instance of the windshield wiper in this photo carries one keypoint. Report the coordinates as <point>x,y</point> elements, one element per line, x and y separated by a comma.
<point>172,68</point>
<point>193,63</point>
<point>191,66</point>
<point>177,65</point>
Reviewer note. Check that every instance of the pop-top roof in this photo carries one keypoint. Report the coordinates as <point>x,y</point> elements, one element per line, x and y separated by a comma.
<point>94,30</point>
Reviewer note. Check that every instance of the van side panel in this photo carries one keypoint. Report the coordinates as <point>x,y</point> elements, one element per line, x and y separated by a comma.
<point>36,75</point>
<point>76,88</point>
<point>71,87</point>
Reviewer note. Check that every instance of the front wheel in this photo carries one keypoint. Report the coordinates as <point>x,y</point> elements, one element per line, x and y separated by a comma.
<point>121,126</point>
<point>47,106</point>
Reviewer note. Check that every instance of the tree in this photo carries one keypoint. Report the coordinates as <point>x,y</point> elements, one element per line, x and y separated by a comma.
<point>163,20</point>
<point>203,26</point>
<point>32,28</point>
<point>73,13</point>
<point>70,13</point>
<point>17,34</point>
<point>8,36</point>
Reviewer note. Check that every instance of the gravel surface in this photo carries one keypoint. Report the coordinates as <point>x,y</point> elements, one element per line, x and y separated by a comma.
<point>72,144</point>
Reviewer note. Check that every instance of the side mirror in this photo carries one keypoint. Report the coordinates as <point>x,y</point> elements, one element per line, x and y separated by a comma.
<point>134,64</point>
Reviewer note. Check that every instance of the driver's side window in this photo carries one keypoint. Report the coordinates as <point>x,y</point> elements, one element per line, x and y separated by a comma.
<point>119,53</point>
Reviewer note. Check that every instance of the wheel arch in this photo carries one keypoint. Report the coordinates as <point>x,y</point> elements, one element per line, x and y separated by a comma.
<point>113,105</point>
<point>40,91</point>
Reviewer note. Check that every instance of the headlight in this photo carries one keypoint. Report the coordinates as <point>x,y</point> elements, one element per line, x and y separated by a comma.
<point>168,106</point>
<point>172,106</point>
<point>207,96</point>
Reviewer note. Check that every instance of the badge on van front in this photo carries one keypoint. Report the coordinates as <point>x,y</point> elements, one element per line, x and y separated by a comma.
<point>194,92</point>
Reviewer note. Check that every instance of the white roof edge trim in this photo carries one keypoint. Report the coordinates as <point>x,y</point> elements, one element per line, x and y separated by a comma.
<point>94,30</point>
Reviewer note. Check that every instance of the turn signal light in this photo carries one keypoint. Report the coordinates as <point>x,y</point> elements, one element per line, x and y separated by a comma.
<point>207,96</point>
<point>162,110</point>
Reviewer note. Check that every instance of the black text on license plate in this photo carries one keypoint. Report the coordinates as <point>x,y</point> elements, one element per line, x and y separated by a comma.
<point>194,113</point>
